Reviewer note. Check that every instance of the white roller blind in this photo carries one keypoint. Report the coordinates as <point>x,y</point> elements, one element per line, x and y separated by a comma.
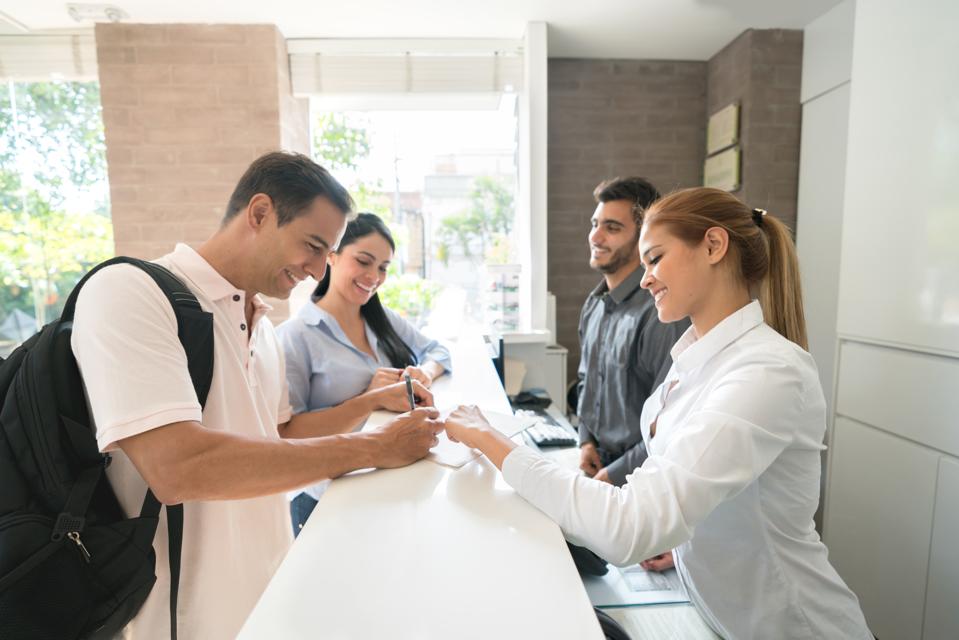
<point>343,67</point>
<point>30,58</point>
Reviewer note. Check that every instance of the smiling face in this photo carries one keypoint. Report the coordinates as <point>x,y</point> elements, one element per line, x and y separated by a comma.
<point>612,238</point>
<point>283,256</point>
<point>680,277</point>
<point>358,269</point>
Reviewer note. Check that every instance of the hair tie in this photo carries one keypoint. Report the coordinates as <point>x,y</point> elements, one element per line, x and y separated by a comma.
<point>758,216</point>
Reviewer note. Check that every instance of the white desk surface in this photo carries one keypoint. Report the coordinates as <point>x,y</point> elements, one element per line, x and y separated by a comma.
<point>427,551</point>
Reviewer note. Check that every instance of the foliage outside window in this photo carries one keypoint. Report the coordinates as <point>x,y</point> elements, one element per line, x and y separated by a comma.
<point>54,207</point>
<point>450,227</point>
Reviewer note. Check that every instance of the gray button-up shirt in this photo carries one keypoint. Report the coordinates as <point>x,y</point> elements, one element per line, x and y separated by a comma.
<point>624,357</point>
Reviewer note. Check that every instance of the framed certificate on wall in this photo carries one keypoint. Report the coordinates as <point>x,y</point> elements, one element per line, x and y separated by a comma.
<point>722,170</point>
<point>722,131</point>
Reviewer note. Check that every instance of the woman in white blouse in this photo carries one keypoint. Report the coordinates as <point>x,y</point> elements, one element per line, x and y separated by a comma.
<point>346,354</point>
<point>734,435</point>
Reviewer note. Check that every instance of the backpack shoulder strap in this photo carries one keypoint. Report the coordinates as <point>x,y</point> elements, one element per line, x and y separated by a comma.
<point>195,331</point>
<point>194,326</point>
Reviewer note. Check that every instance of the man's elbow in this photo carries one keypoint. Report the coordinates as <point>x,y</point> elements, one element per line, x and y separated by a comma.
<point>167,495</point>
<point>163,461</point>
<point>168,485</point>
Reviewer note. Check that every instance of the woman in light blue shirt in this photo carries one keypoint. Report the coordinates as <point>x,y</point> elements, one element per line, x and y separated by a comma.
<point>346,354</point>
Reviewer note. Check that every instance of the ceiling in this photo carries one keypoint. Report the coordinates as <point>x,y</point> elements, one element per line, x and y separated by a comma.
<point>639,29</point>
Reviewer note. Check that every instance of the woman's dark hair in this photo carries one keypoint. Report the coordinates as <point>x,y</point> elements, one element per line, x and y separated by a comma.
<point>398,352</point>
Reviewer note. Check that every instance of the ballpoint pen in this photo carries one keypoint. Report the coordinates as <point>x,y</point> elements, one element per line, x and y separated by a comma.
<point>409,390</point>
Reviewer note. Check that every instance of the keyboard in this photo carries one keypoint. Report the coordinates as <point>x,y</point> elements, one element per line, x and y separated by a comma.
<point>547,432</point>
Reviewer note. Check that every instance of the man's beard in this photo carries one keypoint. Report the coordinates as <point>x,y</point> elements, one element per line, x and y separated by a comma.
<point>617,260</point>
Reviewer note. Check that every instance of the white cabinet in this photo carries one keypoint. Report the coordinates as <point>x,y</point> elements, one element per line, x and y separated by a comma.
<point>879,523</point>
<point>942,599</point>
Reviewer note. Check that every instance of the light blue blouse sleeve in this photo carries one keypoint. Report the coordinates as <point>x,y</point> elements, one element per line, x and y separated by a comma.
<point>296,350</point>
<point>423,347</point>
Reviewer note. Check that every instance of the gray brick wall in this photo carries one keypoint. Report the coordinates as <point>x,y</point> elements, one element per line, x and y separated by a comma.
<point>762,70</point>
<point>612,118</point>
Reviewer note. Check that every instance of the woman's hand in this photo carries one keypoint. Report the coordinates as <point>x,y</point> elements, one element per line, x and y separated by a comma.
<point>419,374</point>
<point>659,563</point>
<point>383,377</point>
<point>466,424</point>
<point>393,397</point>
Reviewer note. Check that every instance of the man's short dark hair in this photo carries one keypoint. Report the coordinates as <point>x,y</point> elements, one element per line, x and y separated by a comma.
<point>638,191</point>
<point>292,181</point>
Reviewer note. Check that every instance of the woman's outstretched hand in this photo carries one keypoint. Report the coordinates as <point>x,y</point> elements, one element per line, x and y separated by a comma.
<point>468,425</point>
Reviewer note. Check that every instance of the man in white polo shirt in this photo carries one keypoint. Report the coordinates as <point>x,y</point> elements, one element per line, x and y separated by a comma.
<point>231,464</point>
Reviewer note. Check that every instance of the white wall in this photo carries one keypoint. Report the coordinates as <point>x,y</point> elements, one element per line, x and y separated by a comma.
<point>827,69</point>
<point>893,487</point>
<point>900,264</point>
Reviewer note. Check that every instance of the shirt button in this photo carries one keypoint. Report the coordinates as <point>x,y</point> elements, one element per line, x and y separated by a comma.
<point>236,297</point>
<point>243,327</point>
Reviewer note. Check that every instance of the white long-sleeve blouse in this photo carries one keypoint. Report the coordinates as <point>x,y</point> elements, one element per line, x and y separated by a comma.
<point>731,484</point>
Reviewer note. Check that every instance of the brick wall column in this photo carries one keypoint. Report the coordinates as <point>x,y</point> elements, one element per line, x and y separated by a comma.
<point>186,108</point>
<point>762,70</point>
<point>611,118</point>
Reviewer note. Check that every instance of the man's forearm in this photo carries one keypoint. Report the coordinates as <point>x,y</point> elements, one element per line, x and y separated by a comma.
<point>185,461</point>
<point>342,418</point>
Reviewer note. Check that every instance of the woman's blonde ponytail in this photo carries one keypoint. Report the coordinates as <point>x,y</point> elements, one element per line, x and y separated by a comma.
<point>760,243</point>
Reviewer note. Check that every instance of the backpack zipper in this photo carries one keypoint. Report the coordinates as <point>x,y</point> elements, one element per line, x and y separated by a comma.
<point>45,466</point>
<point>27,517</point>
<point>32,517</point>
<point>75,537</point>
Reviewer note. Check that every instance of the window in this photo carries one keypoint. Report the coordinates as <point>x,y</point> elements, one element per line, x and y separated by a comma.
<point>54,200</point>
<point>445,181</point>
<point>372,78</point>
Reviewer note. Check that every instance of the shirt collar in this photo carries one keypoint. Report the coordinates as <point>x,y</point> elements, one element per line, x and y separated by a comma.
<point>690,353</point>
<point>314,316</point>
<point>624,289</point>
<point>208,280</point>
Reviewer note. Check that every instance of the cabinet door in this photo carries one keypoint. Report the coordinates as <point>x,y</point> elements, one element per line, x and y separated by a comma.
<point>879,523</point>
<point>942,596</point>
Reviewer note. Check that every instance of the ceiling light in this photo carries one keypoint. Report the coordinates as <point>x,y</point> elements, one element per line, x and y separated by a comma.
<point>96,13</point>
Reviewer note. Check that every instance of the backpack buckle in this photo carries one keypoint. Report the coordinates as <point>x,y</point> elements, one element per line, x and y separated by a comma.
<point>66,523</point>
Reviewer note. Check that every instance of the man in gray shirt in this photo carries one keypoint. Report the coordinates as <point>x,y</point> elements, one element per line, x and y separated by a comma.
<point>624,347</point>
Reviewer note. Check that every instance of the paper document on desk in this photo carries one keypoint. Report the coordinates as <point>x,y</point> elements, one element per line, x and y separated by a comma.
<point>454,454</point>
<point>633,586</point>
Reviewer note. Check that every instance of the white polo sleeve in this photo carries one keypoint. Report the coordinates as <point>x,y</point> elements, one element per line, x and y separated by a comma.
<point>133,366</point>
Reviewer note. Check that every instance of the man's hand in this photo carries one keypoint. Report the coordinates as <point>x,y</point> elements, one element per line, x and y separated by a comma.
<point>659,563</point>
<point>589,460</point>
<point>419,374</point>
<point>393,397</point>
<point>603,476</point>
<point>408,437</point>
<point>383,377</point>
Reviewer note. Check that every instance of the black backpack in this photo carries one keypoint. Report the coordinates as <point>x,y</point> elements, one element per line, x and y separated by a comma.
<point>72,565</point>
